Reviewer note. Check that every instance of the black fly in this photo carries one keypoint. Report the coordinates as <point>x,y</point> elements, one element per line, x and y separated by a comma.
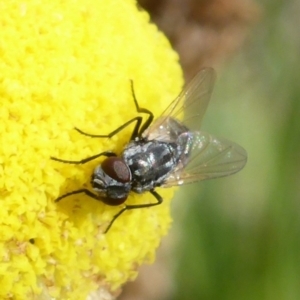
<point>169,152</point>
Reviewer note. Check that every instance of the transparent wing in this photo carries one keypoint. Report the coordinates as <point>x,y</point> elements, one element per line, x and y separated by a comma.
<point>209,157</point>
<point>189,107</point>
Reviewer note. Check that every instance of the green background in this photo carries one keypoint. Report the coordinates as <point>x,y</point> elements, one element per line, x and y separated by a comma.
<point>240,235</point>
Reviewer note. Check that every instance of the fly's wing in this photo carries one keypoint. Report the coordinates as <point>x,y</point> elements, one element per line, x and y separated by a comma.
<point>189,107</point>
<point>208,157</point>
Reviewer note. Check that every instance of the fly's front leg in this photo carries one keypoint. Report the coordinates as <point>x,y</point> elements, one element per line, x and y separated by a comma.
<point>81,191</point>
<point>85,160</point>
<point>129,207</point>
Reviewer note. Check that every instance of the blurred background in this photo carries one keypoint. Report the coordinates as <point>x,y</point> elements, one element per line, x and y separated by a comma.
<point>238,237</point>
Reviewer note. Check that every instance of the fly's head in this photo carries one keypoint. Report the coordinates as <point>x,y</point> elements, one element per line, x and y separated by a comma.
<point>112,181</point>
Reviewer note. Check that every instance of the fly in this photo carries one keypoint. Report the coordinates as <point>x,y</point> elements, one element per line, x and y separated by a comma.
<point>164,152</point>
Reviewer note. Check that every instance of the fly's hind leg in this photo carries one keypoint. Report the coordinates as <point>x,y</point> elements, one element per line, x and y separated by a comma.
<point>138,121</point>
<point>138,128</point>
<point>139,132</point>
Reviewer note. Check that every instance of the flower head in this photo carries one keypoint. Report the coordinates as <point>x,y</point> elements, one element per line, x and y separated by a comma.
<point>67,64</point>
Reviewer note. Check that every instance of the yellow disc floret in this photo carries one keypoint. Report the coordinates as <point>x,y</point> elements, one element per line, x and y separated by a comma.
<point>66,64</point>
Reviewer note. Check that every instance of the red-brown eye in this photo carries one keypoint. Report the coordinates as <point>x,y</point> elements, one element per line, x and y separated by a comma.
<point>116,168</point>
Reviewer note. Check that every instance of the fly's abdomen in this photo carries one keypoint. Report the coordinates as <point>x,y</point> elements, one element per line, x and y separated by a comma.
<point>150,163</point>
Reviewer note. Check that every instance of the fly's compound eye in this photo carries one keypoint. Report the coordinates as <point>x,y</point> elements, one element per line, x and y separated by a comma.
<point>112,180</point>
<point>117,169</point>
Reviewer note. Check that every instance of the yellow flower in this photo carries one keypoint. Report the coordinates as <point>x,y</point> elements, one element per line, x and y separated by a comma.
<point>67,63</point>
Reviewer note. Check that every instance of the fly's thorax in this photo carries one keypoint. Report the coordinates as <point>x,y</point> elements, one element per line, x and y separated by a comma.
<point>112,180</point>
<point>150,163</point>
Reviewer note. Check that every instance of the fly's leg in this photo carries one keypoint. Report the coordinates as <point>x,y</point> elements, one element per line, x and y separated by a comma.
<point>82,161</point>
<point>129,207</point>
<point>85,160</point>
<point>138,129</point>
<point>137,132</point>
<point>81,191</point>
<point>138,121</point>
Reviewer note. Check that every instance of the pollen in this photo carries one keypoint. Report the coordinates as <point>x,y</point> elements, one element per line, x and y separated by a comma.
<point>67,64</point>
